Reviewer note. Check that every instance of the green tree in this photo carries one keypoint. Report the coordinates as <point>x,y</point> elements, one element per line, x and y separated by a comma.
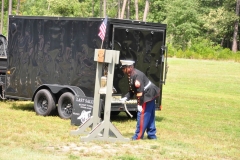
<point>219,20</point>
<point>34,8</point>
<point>136,9</point>
<point>183,22</point>
<point>4,21</point>
<point>217,24</point>
<point>2,16</point>
<point>236,24</point>
<point>186,20</point>
<point>157,11</point>
<point>146,9</point>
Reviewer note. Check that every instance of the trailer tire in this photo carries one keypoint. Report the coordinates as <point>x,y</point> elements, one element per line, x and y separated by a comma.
<point>44,102</point>
<point>65,105</point>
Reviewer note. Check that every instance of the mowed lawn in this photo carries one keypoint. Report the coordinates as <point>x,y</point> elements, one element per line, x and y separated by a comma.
<point>200,119</point>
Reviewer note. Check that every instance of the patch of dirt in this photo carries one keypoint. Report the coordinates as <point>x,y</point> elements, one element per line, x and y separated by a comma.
<point>107,150</point>
<point>98,147</point>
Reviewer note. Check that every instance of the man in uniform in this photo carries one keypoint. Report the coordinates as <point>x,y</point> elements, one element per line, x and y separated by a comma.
<point>146,93</point>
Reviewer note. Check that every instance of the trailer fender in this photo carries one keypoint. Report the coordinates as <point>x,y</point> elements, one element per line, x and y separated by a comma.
<point>56,89</point>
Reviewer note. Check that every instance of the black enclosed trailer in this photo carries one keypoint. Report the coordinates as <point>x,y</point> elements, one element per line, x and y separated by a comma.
<point>51,59</point>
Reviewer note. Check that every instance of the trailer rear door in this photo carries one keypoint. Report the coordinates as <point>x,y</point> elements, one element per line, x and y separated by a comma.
<point>146,46</point>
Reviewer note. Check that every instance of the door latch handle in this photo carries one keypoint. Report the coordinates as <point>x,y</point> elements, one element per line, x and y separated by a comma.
<point>156,64</point>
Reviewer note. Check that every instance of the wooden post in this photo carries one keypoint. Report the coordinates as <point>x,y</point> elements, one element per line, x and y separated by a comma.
<point>102,130</point>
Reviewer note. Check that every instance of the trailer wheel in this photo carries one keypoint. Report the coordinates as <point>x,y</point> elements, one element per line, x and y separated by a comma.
<point>65,105</point>
<point>44,102</point>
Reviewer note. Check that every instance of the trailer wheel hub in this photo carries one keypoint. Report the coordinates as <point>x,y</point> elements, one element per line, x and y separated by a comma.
<point>68,108</point>
<point>44,104</point>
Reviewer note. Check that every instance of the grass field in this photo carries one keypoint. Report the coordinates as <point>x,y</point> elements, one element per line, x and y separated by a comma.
<point>200,120</point>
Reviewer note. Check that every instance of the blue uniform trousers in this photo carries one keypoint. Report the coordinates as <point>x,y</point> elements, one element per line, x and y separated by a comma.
<point>146,121</point>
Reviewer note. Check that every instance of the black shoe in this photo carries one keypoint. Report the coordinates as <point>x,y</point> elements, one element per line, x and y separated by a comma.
<point>152,138</point>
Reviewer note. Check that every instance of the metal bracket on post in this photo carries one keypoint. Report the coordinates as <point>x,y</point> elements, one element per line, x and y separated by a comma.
<point>104,130</point>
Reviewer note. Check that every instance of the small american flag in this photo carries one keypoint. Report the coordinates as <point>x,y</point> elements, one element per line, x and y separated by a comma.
<point>102,29</point>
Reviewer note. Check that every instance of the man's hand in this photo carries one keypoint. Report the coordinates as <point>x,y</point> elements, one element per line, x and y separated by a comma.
<point>139,108</point>
<point>124,99</point>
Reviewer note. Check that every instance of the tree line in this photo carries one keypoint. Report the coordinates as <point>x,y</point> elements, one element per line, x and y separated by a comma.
<point>188,21</point>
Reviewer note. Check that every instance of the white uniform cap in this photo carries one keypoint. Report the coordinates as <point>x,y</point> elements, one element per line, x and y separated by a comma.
<point>127,62</point>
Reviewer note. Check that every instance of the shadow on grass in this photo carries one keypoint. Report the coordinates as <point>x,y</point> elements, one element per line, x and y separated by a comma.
<point>124,117</point>
<point>159,119</point>
<point>24,107</point>
<point>29,107</point>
